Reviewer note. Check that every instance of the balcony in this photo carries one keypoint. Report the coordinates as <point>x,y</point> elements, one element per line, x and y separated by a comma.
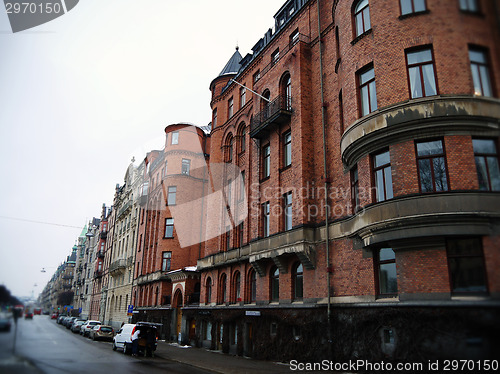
<point>118,266</point>
<point>125,208</point>
<point>275,113</point>
<point>104,235</point>
<point>98,274</point>
<point>143,197</point>
<point>100,254</point>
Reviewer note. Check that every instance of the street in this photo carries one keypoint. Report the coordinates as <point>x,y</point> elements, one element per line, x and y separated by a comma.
<point>44,346</point>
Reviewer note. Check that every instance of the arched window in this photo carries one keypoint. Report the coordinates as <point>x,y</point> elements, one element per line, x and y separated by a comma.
<point>252,286</point>
<point>222,289</point>
<point>286,91</point>
<point>362,17</point>
<point>229,148</point>
<point>236,287</point>
<point>298,281</point>
<point>274,284</point>
<point>208,291</point>
<point>264,104</point>
<point>242,132</point>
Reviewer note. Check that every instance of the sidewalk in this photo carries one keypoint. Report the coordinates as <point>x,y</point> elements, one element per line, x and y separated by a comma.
<point>216,361</point>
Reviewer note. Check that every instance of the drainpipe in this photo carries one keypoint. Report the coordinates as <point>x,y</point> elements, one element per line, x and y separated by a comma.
<point>325,176</point>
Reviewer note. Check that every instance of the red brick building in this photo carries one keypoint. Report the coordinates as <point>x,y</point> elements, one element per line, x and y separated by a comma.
<point>367,135</point>
<point>170,221</point>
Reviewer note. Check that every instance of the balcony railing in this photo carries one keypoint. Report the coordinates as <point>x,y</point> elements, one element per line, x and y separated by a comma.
<point>276,112</point>
<point>125,208</point>
<point>100,254</point>
<point>104,234</point>
<point>98,274</point>
<point>118,265</point>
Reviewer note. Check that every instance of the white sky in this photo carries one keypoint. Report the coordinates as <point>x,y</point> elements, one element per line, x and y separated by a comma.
<point>82,94</point>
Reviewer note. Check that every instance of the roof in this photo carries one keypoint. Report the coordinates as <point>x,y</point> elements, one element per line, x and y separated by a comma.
<point>233,65</point>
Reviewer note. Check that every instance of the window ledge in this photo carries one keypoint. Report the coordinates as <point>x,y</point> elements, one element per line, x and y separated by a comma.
<point>387,299</point>
<point>285,168</point>
<point>472,13</point>
<point>358,38</point>
<point>264,179</point>
<point>414,14</point>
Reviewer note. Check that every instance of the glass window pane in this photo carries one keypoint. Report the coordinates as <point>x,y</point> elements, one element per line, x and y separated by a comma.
<point>361,5</point>
<point>415,83</point>
<point>366,76</point>
<point>440,174</point>
<point>373,96</point>
<point>366,16</point>
<point>424,167</point>
<point>477,56</point>
<point>419,56</point>
<point>482,173</point>
<point>388,278</point>
<point>365,101</point>
<point>406,7</point>
<point>419,5</point>
<point>430,148</point>
<point>379,184</point>
<point>485,80</point>
<point>476,79</point>
<point>494,173</point>
<point>467,274</point>
<point>382,159</point>
<point>465,247</point>
<point>429,80</point>
<point>387,254</point>
<point>388,183</point>
<point>484,146</point>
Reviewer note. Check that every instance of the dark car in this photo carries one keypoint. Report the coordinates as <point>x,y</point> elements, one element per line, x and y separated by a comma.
<point>5,322</point>
<point>28,315</point>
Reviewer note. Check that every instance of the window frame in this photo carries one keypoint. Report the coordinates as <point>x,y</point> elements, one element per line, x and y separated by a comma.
<point>412,6</point>
<point>295,276</point>
<point>266,161</point>
<point>485,156</point>
<point>377,264</point>
<point>486,65</point>
<point>186,166</point>
<point>266,219</point>
<point>356,12</point>
<point>355,189</point>
<point>166,260</point>
<point>169,225</point>
<point>243,95</point>
<point>288,211</point>
<point>374,176</point>
<point>418,158</point>
<point>175,137</point>
<point>274,284</point>
<point>287,149</point>
<point>208,290</point>
<point>467,4</point>
<point>252,286</point>
<point>463,256</point>
<point>371,89</point>
<point>294,37</point>
<point>214,118</point>
<point>230,107</point>
<point>171,191</point>
<point>432,62</point>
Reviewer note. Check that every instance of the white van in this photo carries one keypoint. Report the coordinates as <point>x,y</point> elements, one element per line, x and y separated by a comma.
<point>124,335</point>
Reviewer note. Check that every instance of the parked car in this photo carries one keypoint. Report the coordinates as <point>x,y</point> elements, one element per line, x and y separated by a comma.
<point>5,322</point>
<point>102,332</point>
<point>70,322</point>
<point>85,328</point>
<point>148,337</point>
<point>61,318</point>
<point>65,320</point>
<point>53,316</point>
<point>77,325</point>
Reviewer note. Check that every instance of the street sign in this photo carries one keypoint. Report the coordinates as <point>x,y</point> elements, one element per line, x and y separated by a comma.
<point>254,313</point>
<point>130,309</point>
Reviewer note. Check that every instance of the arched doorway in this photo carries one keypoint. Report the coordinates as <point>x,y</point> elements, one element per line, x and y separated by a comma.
<point>178,304</point>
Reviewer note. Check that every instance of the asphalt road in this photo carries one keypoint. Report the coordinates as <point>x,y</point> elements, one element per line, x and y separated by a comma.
<point>44,346</point>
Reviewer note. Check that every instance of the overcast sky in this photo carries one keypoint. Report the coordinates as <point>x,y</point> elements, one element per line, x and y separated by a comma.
<point>82,94</point>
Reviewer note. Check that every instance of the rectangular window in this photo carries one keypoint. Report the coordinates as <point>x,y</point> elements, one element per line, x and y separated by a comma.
<point>383,176</point>
<point>266,161</point>
<point>256,76</point>
<point>230,108</point>
<point>367,91</point>
<point>486,156</point>
<point>166,168</point>
<point>469,5</point>
<point>175,137</point>
<point>466,266</point>
<point>420,65</point>
<point>240,234</point>
<point>432,166</point>
<point>412,6</point>
<point>287,210</point>
<point>386,271</point>
<point>265,219</point>
<point>229,190</point>
<point>242,185</point>
<point>480,72</point>
<point>355,189</point>
<point>243,96</point>
<point>275,56</point>
<point>172,194</point>
<point>166,261</point>
<point>214,119</point>
<point>287,149</point>
<point>169,228</point>
<point>228,238</point>
<point>294,38</point>
<point>362,17</point>
<point>186,166</point>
